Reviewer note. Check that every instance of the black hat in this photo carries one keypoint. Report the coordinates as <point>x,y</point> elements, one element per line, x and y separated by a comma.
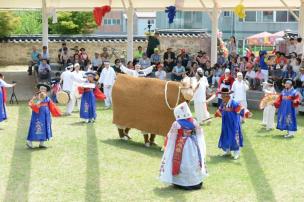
<point>288,80</point>
<point>225,91</point>
<point>90,74</point>
<point>48,88</point>
<point>270,81</point>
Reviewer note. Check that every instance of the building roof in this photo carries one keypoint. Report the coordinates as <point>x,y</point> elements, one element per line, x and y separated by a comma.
<point>150,5</point>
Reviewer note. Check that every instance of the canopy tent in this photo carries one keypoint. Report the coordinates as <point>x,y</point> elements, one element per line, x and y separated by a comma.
<point>261,39</point>
<point>213,7</point>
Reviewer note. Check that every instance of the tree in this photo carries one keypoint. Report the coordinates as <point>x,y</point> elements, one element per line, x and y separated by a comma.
<point>73,23</point>
<point>8,23</point>
<point>30,22</point>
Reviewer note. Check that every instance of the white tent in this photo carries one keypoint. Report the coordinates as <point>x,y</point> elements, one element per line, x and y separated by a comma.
<point>213,7</point>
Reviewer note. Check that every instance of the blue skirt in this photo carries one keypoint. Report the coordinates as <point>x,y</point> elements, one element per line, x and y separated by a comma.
<point>287,116</point>
<point>88,106</point>
<point>40,127</point>
<point>231,136</point>
<point>2,108</point>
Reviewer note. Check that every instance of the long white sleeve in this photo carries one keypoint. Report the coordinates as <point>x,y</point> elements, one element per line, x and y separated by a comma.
<point>148,70</point>
<point>125,70</point>
<point>4,84</point>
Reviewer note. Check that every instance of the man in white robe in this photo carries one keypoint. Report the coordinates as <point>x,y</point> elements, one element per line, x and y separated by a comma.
<point>199,98</point>
<point>183,162</point>
<point>107,78</point>
<point>269,109</point>
<point>239,88</point>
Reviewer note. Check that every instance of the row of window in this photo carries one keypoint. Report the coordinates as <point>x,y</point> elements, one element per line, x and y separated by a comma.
<point>267,16</point>
<point>111,21</point>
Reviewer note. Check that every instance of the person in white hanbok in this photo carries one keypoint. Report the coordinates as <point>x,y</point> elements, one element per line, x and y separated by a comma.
<point>239,89</point>
<point>183,162</point>
<point>269,109</point>
<point>199,98</point>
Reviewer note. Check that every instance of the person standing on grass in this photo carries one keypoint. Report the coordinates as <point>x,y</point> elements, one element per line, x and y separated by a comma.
<point>40,126</point>
<point>269,109</point>
<point>231,139</point>
<point>107,78</point>
<point>183,162</point>
<point>225,81</point>
<point>3,85</point>
<point>200,105</point>
<point>239,88</point>
<point>287,103</point>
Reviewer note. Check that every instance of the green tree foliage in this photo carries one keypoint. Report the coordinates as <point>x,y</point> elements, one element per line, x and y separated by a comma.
<point>73,23</point>
<point>8,23</point>
<point>31,22</point>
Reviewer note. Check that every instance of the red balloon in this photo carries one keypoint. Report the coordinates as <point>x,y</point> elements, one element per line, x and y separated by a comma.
<point>99,13</point>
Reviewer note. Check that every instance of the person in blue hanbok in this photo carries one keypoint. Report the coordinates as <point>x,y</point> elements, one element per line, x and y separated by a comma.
<point>286,103</point>
<point>3,85</point>
<point>231,139</point>
<point>90,93</point>
<point>40,129</point>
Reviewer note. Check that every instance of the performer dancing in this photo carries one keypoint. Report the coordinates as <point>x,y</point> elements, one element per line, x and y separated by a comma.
<point>269,109</point>
<point>40,126</point>
<point>200,104</point>
<point>70,81</point>
<point>88,99</point>
<point>138,72</point>
<point>3,85</point>
<point>183,162</point>
<point>231,138</point>
<point>286,103</point>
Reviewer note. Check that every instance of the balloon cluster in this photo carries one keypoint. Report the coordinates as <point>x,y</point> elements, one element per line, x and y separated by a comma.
<point>171,10</point>
<point>239,10</point>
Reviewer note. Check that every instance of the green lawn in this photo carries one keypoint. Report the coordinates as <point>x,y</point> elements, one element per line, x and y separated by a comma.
<point>89,163</point>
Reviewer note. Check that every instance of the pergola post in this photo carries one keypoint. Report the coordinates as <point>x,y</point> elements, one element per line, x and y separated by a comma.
<point>301,20</point>
<point>130,16</point>
<point>214,29</point>
<point>45,24</point>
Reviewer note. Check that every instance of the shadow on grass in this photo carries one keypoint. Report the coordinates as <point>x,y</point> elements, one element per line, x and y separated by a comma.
<point>258,179</point>
<point>79,123</point>
<point>222,159</point>
<point>170,192</point>
<point>18,181</point>
<point>93,175</point>
<point>135,146</point>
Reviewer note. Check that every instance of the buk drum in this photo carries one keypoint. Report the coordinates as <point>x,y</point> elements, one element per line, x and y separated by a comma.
<point>63,97</point>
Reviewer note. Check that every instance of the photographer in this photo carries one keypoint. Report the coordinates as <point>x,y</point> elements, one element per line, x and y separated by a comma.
<point>44,70</point>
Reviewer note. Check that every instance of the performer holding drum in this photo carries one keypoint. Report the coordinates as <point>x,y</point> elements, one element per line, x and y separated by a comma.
<point>69,94</point>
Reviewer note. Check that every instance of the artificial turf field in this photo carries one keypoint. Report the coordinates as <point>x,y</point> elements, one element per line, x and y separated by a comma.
<point>88,162</point>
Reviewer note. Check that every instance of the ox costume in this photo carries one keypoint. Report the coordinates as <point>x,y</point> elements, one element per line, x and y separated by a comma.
<point>90,93</point>
<point>183,162</point>
<point>231,138</point>
<point>123,132</point>
<point>40,129</point>
<point>3,85</point>
<point>286,104</point>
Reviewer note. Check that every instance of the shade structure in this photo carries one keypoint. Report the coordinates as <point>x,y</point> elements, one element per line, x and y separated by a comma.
<point>151,5</point>
<point>261,39</point>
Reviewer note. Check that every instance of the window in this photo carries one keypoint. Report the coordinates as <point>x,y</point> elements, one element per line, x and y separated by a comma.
<point>105,21</point>
<point>291,18</point>
<point>251,16</point>
<point>268,16</point>
<point>227,13</point>
<point>118,21</point>
<point>281,16</point>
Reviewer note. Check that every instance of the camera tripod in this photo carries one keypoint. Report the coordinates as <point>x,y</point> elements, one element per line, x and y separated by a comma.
<point>13,96</point>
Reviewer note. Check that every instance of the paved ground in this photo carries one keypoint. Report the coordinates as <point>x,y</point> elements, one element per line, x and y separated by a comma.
<point>25,84</point>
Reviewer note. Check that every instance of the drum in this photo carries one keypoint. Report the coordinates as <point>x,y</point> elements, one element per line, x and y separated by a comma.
<point>268,100</point>
<point>63,97</point>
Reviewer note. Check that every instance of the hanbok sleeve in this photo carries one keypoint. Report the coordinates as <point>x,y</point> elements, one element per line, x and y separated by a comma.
<point>34,107</point>
<point>171,136</point>
<point>98,94</point>
<point>54,109</point>
<point>4,94</point>
<point>278,101</point>
<point>296,100</point>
